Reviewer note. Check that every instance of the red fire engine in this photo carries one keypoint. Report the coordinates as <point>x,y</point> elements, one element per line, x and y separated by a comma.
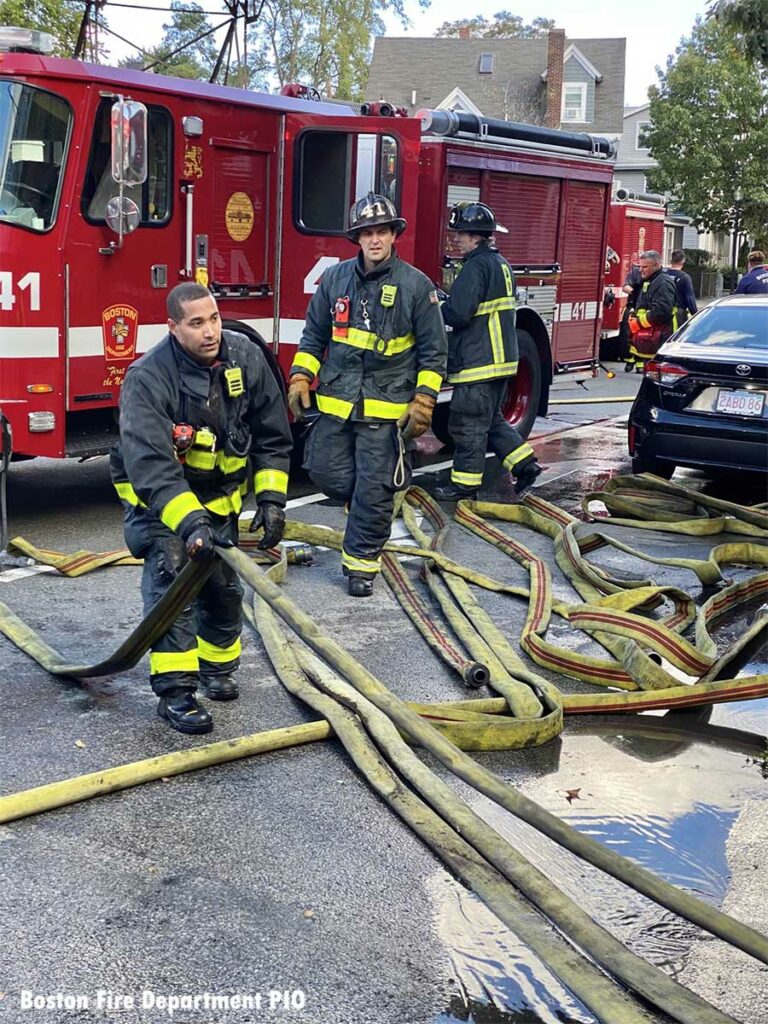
<point>635,225</point>
<point>115,185</point>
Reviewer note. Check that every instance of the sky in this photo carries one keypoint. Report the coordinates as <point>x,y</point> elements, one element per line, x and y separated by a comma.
<point>652,28</point>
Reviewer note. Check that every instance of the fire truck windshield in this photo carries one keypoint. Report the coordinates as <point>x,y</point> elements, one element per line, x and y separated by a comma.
<point>34,128</point>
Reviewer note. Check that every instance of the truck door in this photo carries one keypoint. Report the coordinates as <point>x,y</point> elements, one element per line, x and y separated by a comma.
<point>115,296</point>
<point>327,167</point>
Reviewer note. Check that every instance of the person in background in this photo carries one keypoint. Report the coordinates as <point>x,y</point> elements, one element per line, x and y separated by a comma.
<point>631,289</point>
<point>651,322</point>
<point>202,422</point>
<point>686,301</point>
<point>755,281</point>
<point>482,358</point>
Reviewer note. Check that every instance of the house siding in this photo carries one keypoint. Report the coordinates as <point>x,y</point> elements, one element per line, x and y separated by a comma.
<point>573,71</point>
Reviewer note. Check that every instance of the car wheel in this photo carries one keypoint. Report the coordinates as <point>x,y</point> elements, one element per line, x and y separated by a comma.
<point>655,466</point>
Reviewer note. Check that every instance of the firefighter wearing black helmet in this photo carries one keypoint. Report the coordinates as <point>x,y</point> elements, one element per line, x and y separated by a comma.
<point>375,341</point>
<point>482,356</point>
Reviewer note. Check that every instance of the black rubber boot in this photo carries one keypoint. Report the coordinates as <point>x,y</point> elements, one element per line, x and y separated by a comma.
<point>359,586</point>
<point>220,687</point>
<point>450,492</point>
<point>182,712</point>
<point>526,476</point>
<point>629,366</point>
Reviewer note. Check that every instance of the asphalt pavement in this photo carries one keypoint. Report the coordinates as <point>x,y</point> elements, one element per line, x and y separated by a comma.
<point>280,888</point>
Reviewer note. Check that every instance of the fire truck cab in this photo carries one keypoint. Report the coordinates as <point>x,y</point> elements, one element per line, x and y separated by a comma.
<point>115,185</point>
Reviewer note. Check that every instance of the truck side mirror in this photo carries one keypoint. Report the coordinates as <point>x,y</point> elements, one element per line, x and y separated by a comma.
<point>129,142</point>
<point>122,215</point>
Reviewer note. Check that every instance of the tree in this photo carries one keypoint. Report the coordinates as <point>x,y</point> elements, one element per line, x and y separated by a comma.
<point>59,18</point>
<point>184,51</point>
<point>503,26</point>
<point>748,21</point>
<point>709,134</point>
<point>323,43</point>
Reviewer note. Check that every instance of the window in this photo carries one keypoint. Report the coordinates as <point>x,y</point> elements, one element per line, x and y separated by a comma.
<point>153,198</point>
<point>575,101</point>
<point>336,168</point>
<point>641,140</point>
<point>485,63</point>
<point>34,129</point>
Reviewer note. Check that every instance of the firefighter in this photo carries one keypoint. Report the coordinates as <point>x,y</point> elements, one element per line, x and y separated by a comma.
<point>375,340</point>
<point>631,288</point>
<point>686,300</point>
<point>651,322</point>
<point>482,357</point>
<point>202,422</point>
<point>755,281</point>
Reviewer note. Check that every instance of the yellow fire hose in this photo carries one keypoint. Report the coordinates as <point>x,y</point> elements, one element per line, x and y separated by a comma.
<point>609,614</point>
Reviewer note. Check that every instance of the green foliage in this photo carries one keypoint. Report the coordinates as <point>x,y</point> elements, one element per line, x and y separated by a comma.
<point>60,18</point>
<point>696,258</point>
<point>323,43</point>
<point>709,132</point>
<point>503,26</point>
<point>747,20</point>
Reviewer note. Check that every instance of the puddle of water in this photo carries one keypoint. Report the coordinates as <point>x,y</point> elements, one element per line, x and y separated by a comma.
<point>497,979</point>
<point>663,790</point>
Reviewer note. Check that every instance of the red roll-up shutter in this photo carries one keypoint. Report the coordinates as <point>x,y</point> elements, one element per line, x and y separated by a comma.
<point>529,208</point>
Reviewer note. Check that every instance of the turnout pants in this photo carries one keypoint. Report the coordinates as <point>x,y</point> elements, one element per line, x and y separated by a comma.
<point>205,638</point>
<point>355,462</point>
<point>476,425</point>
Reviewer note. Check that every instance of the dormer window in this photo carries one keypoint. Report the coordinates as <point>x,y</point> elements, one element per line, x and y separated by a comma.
<point>485,63</point>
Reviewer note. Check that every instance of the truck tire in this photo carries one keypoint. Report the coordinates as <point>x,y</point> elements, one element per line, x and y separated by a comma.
<point>521,405</point>
<point>256,338</point>
<point>440,424</point>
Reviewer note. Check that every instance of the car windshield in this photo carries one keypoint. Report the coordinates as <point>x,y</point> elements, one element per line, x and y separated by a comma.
<point>728,327</point>
<point>34,127</point>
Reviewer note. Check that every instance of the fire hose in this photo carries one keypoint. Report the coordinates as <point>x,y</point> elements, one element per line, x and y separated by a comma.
<point>608,613</point>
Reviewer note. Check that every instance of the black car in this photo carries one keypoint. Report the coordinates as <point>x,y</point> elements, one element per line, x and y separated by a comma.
<point>703,400</point>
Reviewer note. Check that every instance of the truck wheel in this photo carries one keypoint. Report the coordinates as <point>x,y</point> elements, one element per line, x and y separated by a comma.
<point>256,338</point>
<point>440,424</point>
<point>521,404</point>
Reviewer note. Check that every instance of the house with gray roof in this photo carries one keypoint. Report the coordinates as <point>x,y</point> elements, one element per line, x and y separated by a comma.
<point>576,84</point>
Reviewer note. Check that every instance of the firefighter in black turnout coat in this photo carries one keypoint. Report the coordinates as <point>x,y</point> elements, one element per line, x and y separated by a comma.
<point>375,340</point>
<point>482,356</point>
<point>202,423</point>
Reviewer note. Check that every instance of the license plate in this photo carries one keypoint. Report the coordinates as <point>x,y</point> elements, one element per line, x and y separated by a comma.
<point>741,403</point>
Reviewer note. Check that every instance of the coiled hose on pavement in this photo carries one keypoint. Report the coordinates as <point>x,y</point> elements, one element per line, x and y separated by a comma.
<point>609,614</point>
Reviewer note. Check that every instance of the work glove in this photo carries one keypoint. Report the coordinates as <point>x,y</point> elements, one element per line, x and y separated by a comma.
<point>200,540</point>
<point>298,395</point>
<point>272,518</point>
<point>633,323</point>
<point>417,418</point>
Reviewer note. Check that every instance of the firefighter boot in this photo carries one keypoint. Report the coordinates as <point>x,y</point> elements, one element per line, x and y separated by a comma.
<point>182,712</point>
<point>451,492</point>
<point>220,687</point>
<point>359,585</point>
<point>525,476</point>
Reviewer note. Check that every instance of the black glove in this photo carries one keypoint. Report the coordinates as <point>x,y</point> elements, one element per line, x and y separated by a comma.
<point>272,518</point>
<point>200,540</point>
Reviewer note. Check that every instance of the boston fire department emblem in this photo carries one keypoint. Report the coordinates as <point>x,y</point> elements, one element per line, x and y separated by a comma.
<point>120,326</point>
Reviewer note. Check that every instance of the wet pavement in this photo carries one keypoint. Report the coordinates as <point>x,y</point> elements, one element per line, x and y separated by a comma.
<point>285,874</point>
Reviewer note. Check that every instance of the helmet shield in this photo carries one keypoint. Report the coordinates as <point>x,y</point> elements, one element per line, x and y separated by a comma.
<point>372,211</point>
